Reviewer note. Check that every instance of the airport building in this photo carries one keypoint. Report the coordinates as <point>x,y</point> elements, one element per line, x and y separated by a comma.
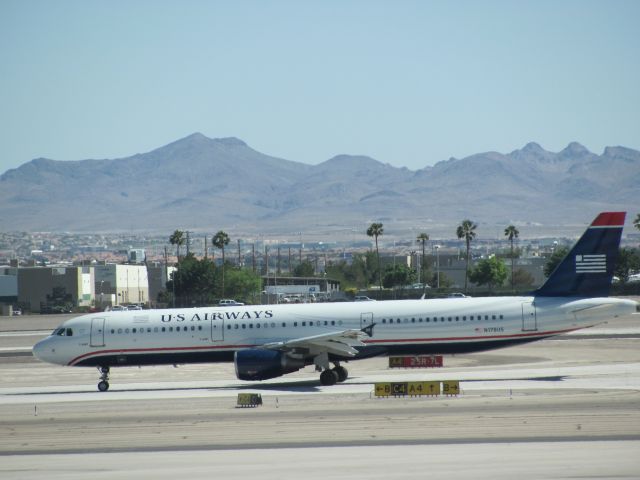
<point>117,284</point>
<point>42,288</point>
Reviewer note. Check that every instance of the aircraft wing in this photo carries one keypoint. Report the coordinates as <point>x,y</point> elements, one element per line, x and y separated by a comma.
<point>338,343</point>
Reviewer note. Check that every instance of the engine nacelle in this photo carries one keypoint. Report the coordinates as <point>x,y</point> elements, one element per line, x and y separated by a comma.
<point>259,364</point>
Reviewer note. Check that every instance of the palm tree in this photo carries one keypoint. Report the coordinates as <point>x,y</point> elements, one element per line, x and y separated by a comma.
<point>511,232</point>
<point>466,230</point>
<point>375,230</point>
<point>422,238</point>
<point>220,240</point>
<point>177,239</point>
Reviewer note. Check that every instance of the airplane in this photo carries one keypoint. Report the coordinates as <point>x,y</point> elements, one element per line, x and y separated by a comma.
<point>268,341</point>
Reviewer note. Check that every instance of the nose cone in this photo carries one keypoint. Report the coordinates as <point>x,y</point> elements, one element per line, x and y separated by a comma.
<point>44,350</point>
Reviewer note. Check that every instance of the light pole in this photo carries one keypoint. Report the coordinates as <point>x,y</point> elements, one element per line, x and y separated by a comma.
<point>101,299</point>
<point>437,247</point>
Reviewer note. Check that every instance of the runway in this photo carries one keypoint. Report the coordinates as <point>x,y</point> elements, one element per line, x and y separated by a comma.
<point>565,408</point>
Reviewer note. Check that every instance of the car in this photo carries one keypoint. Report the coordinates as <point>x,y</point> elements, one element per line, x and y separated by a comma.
<point>229,303</point>
<point>457,295</point>
<point>118,308</point>
<point>362,298</point>
<point>134,307</point>
<point>17,312</point>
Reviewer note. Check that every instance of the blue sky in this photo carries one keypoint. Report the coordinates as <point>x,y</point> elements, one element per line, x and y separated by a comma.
<point>406,82</point>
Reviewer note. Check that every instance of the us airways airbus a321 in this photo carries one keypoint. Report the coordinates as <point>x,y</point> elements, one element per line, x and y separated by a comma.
<point>268,341</point>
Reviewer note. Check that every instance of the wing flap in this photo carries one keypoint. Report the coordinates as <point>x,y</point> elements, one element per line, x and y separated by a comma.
<point>339,343</point>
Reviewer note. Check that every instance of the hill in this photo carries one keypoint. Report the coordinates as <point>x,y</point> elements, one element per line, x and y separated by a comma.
<point>206,184</point>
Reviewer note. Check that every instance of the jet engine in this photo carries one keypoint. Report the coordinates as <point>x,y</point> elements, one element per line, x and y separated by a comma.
<point>259,364</point>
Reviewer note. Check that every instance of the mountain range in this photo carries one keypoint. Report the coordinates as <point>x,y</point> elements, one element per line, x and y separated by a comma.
<point>205,184</point>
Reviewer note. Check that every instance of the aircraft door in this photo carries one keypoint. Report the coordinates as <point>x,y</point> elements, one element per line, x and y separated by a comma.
<point>217,330</point>
<point>529,320</point>
<point>97,332</point>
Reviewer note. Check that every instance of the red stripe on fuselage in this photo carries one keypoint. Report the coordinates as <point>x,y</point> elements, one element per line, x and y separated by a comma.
<point>475,339</point>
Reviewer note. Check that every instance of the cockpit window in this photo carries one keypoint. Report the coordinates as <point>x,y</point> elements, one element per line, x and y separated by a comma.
<point>63,332</point>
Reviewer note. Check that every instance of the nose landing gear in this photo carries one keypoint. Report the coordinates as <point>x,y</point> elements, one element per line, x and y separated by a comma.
<point>103,384</point>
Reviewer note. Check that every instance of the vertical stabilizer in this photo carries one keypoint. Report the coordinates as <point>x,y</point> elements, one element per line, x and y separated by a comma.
<point>588,268</point>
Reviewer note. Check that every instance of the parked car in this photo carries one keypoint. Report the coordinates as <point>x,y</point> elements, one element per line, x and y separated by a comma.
<point>118,308</point>
<point>227,302</point>
<point>362,298</point>
<point>17,312</point>
<point>134,307</point>
<point>456,295</point>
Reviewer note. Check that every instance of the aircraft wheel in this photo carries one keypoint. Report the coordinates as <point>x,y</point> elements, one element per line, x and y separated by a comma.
<point>103,386</point>
<point>328,378</point>
<point>342,373</point>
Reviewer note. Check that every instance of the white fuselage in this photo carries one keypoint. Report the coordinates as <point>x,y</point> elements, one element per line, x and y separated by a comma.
<point>212,334</point>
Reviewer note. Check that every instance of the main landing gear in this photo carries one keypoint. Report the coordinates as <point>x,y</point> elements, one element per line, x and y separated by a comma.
<point>103,384</point>
<point>331,376</point>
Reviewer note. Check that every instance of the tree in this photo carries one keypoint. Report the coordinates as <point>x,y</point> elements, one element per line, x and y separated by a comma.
<point>221,240</point>
<point>422,238</point>
<point>398,275</point>
<point>466,230</point>
<point>521,278</point>
<point>375,230</point>
<point>193,281</point>
<point>636,222</point>
<point>554,260</point>
<point>304,269</point>
<point>511,233</point>
<point>490,272</point>
<point>177,238</point>
<point>628,262</point>
<point>243,283</point>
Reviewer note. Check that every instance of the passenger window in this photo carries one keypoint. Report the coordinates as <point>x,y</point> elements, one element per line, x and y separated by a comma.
<point>236,326</point>
<point>69,332</point>
<point>164,329</point>
<point>112,331</point>
<point>119,330</point>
